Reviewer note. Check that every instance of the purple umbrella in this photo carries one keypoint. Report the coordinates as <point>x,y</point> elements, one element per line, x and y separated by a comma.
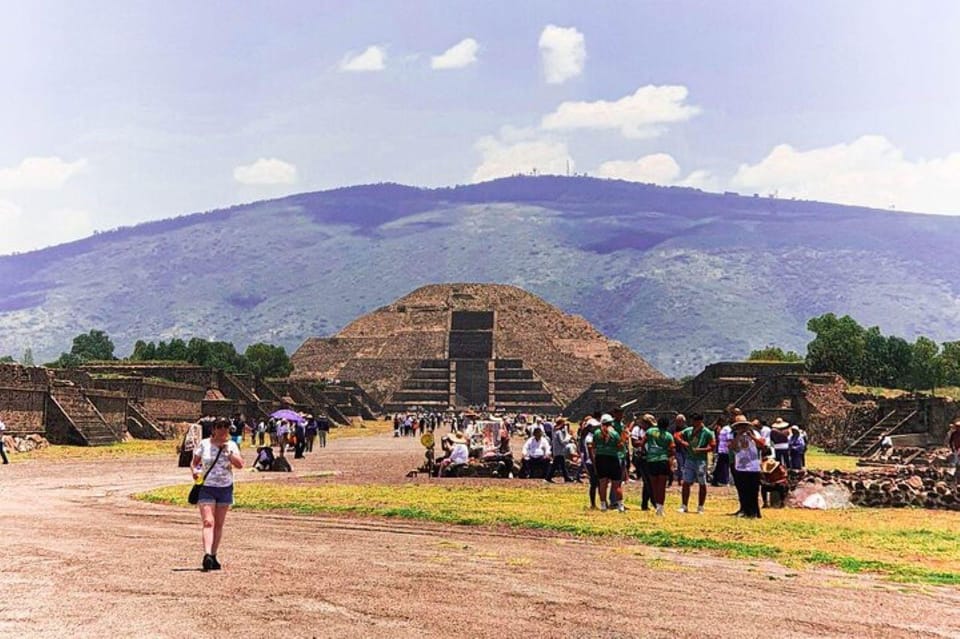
<point>289,415</point>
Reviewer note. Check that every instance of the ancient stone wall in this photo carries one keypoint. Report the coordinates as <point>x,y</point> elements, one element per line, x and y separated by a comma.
<point>112,406</point>
<point>12,375</point>
<point>182,373</point>
<point>22,409</point>
<point>172,402</point>
<point>220,407</point>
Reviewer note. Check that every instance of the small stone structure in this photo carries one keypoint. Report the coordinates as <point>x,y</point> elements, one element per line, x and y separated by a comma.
<point>891,487</point>
<point>104,402</point>
<point>834,419</point>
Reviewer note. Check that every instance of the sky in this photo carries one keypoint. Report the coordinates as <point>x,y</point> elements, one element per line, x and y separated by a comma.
<point>119,112</point>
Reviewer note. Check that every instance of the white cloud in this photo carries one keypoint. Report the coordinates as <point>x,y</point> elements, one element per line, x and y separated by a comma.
<point>563,51</point>
<point>266,171</point>
<point>24,232</point>
<point>39,174</point>
<point>658,168</point>
<point>462,54</point>
<point>520,151</point>
<point>641,115</point>
<point>374,58</point>
<point>869,171</point>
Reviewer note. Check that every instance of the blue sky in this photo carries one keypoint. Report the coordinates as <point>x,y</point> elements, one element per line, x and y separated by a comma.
<point>120,112</point>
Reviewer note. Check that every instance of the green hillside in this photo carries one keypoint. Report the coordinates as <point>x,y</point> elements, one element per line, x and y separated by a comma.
<point>681,276</point>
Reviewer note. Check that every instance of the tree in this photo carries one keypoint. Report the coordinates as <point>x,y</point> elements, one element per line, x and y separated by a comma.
<point>838,346</point>
<point>899,356</point>
<point>7,359</point>
<point>66,360</point>
<point>95,345</point>
<point>266,360</point>
<point>950,356</point>
<point>144,351</point>
<point>774,354</point>
<point>27,359</point>
<point>926,367</point>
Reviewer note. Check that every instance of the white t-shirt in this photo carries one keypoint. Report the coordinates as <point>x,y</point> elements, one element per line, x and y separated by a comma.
<point>460,454</point>
<point>221,475</point>
<point>747,455</point>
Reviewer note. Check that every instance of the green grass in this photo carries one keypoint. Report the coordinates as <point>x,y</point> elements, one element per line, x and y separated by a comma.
<point>904,545</point>
<point>133,448</point>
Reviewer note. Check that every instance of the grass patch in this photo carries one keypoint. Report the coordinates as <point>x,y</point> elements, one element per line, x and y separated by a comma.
<point>133,448</point>
<point>361,429</point>
<point>817,459</point>
<point>907,545</point>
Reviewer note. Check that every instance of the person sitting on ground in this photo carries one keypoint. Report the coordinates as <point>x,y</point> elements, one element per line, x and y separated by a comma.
<point>886,447</point>
<point>264,460</point>
<point>536,455</point>
<point>773,479</point>
<point>458,457</point>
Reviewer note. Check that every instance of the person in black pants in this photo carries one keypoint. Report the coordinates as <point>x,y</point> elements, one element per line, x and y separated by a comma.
<point>301,435</point>
<point>3,453</point>
<point>323,427</point>
<point>748,446</point>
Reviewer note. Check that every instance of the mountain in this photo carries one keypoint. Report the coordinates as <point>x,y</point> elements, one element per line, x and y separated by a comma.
<point>680,276</point>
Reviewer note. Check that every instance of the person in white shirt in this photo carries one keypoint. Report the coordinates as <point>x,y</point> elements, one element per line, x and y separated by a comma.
<point>213,463</point>
<point>459,455</point>
<point>3,453</point>
<point>748,447</point>
<point>536,454</point>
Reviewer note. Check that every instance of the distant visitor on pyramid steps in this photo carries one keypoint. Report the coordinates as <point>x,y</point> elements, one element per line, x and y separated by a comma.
<point>458,346</point>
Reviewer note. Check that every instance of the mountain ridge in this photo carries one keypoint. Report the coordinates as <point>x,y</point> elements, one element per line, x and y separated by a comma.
<point>650,266</point>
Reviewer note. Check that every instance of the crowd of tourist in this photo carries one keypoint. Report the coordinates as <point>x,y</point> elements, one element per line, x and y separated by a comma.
<point>607,451</point>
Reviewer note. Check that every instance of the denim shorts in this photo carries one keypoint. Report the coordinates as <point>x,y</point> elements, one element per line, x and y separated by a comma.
<point>694,471</point>
<point>221,496</point>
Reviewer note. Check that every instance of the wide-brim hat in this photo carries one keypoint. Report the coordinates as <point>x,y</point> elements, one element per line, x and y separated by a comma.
<point>769,465</point>
<point>650,419</point>
<point>740,419</point>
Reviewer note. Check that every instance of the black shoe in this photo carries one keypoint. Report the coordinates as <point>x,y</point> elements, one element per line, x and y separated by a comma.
<point>549,480</point>
<point>207,563</point>
<point>215,565</point>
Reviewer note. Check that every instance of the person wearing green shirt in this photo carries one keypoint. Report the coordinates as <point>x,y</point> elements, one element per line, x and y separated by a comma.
<point>658,444</point>
<point>697,441</point>
<point>605,453</point>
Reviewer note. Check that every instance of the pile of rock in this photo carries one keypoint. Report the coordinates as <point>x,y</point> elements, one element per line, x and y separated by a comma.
<point>24,444</point>
<point>894,487</point>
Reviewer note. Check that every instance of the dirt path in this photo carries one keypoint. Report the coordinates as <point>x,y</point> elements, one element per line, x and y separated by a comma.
<point>81,559</point>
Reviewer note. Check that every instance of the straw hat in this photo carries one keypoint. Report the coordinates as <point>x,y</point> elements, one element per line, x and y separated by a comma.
<point>769,465</point>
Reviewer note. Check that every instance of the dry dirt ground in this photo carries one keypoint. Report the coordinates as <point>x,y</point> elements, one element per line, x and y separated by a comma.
<point>82,559</point>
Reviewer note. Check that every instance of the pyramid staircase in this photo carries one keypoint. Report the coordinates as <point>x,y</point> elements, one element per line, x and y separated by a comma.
<point>427,387</point>
<point>86,422</point>
<point>141,424</point>
<point>888,425</point>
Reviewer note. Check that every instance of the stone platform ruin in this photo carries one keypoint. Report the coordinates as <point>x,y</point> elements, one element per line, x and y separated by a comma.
<point>99,404</point>
<point>462,345</point>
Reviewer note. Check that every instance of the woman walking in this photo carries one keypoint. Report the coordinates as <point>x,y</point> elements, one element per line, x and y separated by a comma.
<point>213,463</point>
